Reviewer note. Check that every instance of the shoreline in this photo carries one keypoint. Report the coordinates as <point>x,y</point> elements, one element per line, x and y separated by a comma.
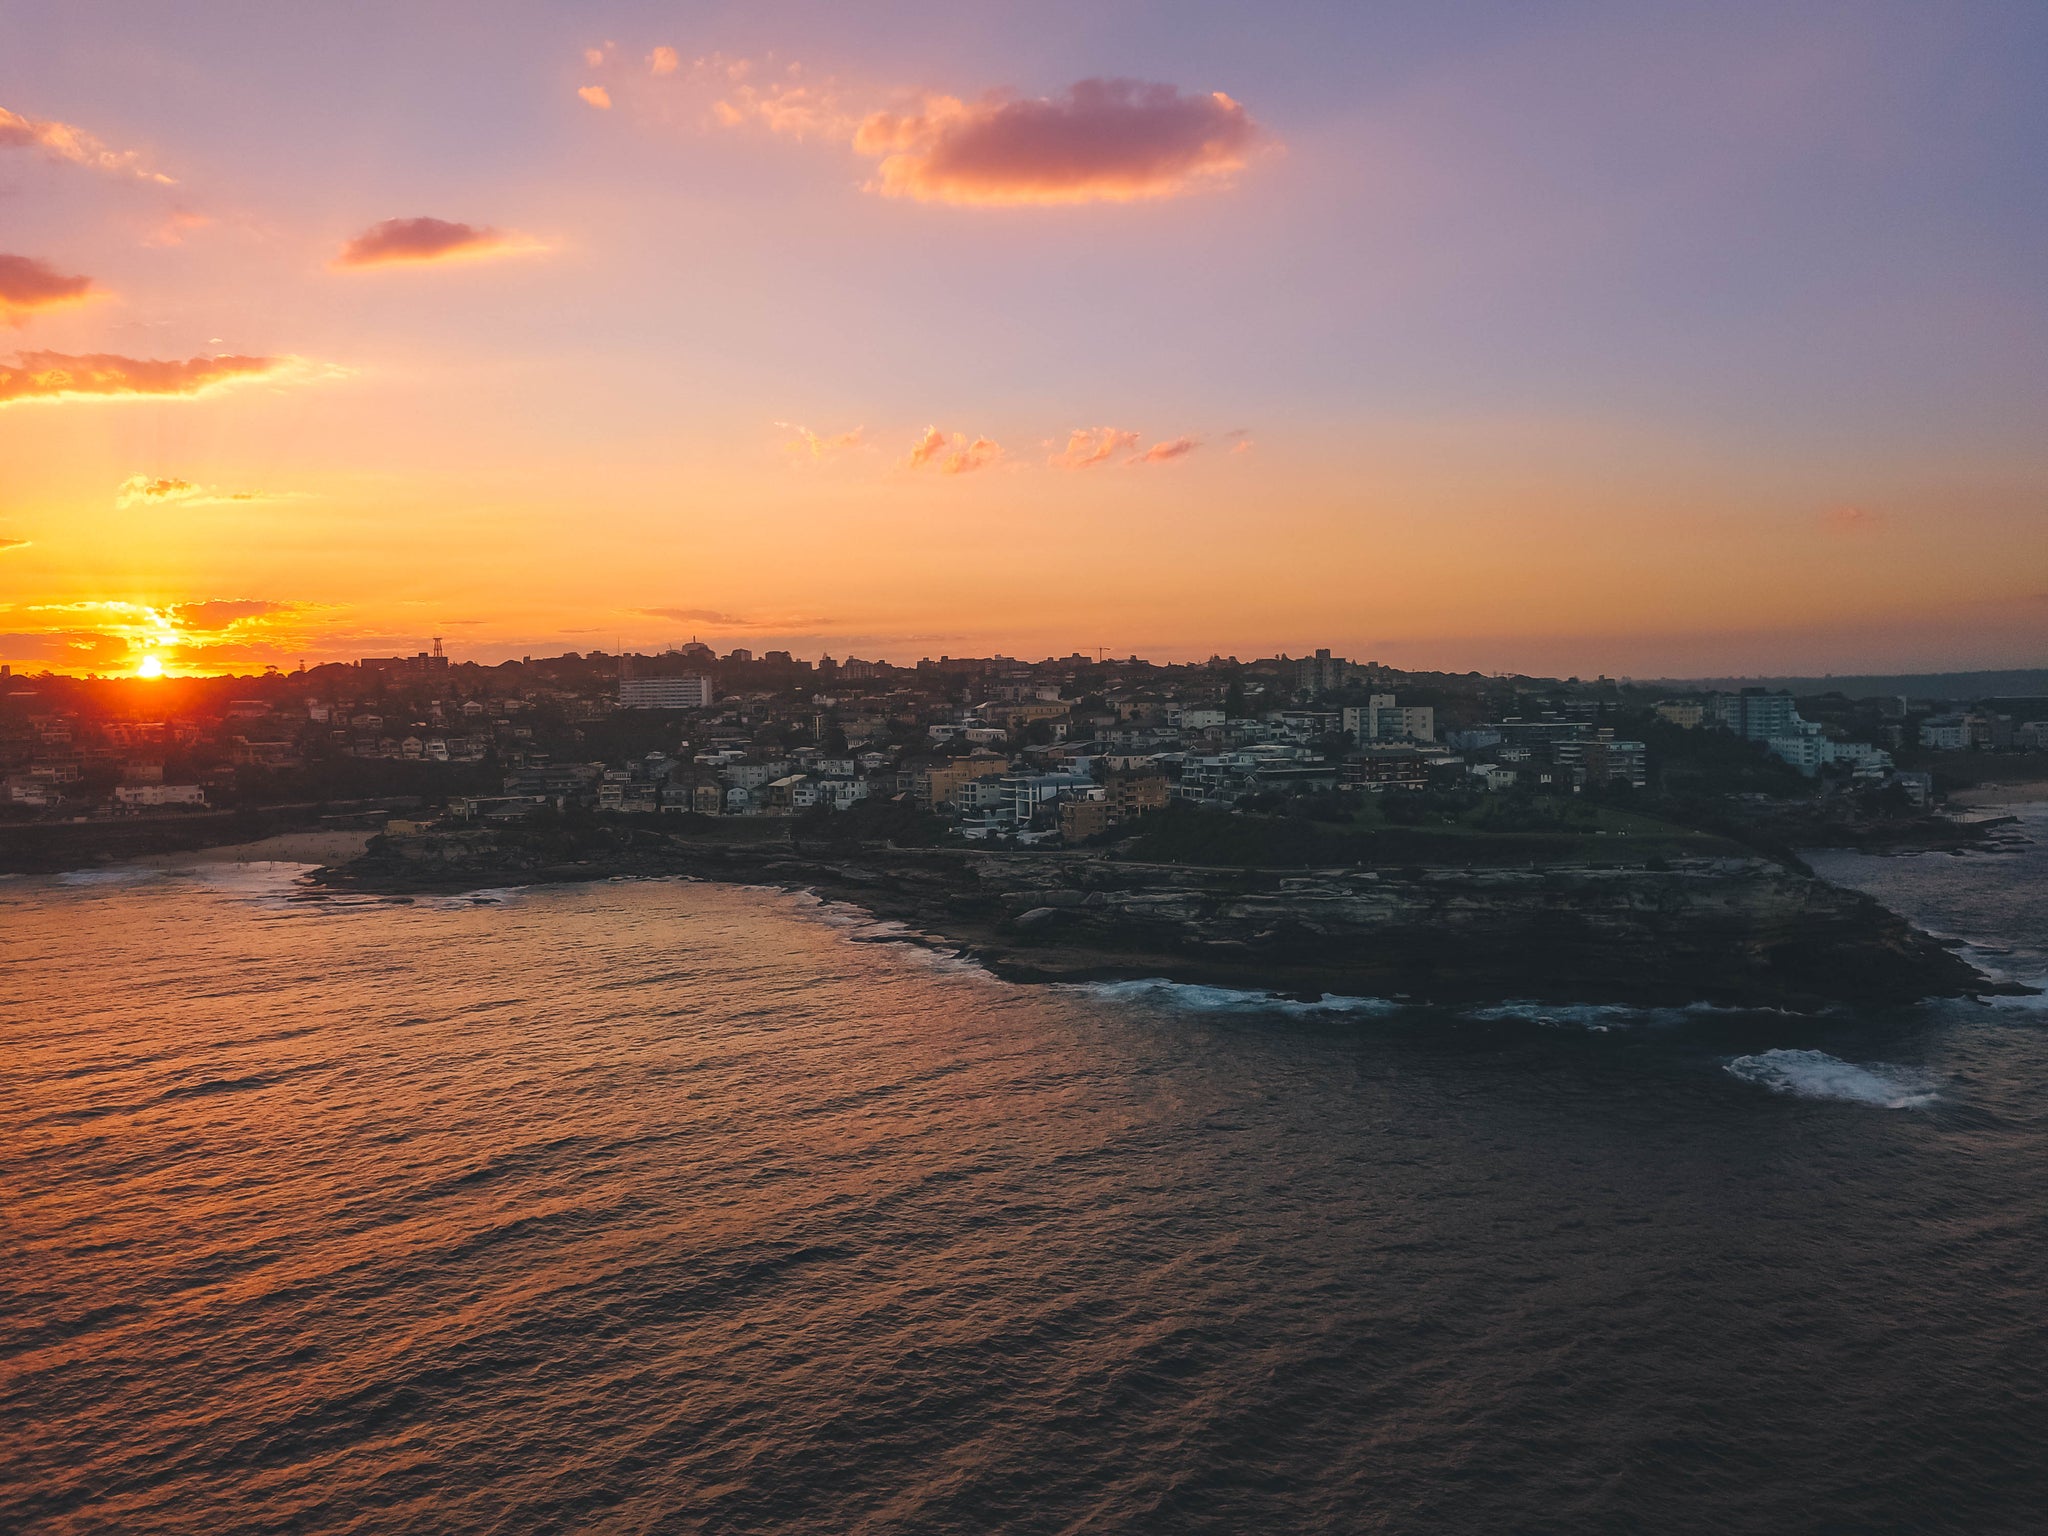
<point>320,849</point>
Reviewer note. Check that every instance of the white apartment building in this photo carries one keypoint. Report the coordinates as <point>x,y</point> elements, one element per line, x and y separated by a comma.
<point>1945,733</point>
<point>141,796</point>
<point>665,693</point>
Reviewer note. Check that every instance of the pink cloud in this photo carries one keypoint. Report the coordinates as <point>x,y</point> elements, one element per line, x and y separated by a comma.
<point>1088,447</point>
<point>62,376</point>
<point>63,141</point>
<point>956,454</point>
<point>174,228</point>
<point>1098,141</point>
<point>29,286</point>
<point>1850,519</point>
<point>663,61</point>
<point>426,240</point>
<point>1166,453</point>
<point>1101,141</point>
<point>597,96</point>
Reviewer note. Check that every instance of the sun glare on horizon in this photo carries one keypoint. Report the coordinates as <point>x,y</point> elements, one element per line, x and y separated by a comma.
<point>150,666</point>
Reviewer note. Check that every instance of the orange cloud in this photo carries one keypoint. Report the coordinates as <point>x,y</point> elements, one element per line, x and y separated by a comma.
<point>423,239</point>
<point>809,444</point>
<point>204,632</point>
<point>791,108</point>
<point>138,489</point>
<point>143,491</point>
<point>62,141</point>
<point>219,613</point>
<point>663,61</point>
<point>1089,446</point>
<point>28,286</point>
<point>954,455</point>
<point>66,376</point>
<point>13,544</point>
<point>1166,453</point>
<point>722,620</point>
<point>70,648</point>
<point>597,96</point>
<point>1102,141</point>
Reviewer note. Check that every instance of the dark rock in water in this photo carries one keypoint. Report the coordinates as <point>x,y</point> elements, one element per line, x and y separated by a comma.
<point>1731,930</point>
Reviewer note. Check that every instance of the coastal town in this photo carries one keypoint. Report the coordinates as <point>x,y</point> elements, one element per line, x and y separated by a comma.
<point>1066,751</point>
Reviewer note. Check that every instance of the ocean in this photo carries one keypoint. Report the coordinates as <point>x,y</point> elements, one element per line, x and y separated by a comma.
<point>666,1206</point>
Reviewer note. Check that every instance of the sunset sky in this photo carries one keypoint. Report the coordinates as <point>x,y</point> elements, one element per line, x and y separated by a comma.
<point>1637,338</point>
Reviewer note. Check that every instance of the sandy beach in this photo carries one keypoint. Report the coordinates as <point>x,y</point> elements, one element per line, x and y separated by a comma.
<point>1983,795</point>
<point>287,847</point>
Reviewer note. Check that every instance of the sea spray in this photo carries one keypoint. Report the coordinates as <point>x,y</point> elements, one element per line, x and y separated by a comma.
<point>1817,1075</point>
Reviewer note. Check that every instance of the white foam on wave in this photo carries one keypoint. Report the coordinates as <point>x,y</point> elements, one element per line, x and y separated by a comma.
<point>2032,1002</point>
<point>1194,996</point>
<point>119,874</point>
<point>948,962</point>
<point>862,927</point>
<point>1599,1018</point>
<point>462,901</point>
<point>844,914</point>
<point>1817,1075</point>
<point>256,877</point>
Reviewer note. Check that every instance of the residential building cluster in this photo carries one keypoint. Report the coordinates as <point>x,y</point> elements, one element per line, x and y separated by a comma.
<point>1773,720</point>
<point>999,748</point>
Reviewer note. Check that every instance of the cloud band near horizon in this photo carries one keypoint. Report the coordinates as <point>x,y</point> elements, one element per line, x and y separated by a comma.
<point>105,375</point>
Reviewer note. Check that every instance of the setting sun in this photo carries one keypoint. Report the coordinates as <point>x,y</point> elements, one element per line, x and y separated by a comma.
<point>150,666</point>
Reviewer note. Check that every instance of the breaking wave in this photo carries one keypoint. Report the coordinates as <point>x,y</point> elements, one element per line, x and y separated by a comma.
<point>1206,999</point>
<point>1817,1075</point>
<point>489,896</point>
<point>862,927</point>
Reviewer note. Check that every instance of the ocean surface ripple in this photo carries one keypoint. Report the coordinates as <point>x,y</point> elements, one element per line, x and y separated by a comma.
<point>648,1207</point>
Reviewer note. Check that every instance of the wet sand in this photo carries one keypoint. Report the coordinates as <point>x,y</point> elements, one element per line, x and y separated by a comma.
<point>327,847</point>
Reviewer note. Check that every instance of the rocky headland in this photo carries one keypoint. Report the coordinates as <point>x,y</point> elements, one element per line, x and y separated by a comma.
<point>1735,931</point>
